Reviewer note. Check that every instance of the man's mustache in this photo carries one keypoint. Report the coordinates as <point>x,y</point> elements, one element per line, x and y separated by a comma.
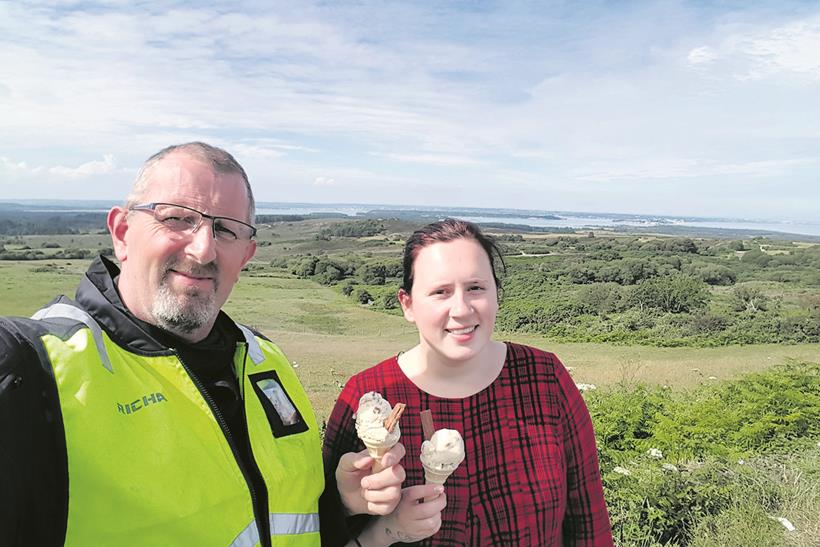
<point>196,270</point>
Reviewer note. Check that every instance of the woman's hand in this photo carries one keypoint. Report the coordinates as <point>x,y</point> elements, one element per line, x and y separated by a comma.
<point>413,519</point>
<point>363,492</point>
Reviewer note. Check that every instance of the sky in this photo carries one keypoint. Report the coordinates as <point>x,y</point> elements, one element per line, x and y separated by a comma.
<point>668,108</point>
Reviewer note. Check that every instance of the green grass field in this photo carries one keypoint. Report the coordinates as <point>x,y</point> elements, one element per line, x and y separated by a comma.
<point>330,337</point>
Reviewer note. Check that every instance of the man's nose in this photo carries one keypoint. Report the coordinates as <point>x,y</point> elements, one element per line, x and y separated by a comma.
<point>202,246</point>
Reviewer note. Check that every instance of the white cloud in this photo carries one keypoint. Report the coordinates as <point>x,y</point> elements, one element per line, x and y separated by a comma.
<point>675,168</point>
<point>11,167</point>
<point>701,55</point>
<point>765,51</point>
<point>241,150</point>
<point>324,181</point>
<point>432,159</point>
<point>106,166</point>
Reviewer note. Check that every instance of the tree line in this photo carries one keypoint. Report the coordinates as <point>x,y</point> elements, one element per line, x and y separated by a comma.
<point>634,290</point>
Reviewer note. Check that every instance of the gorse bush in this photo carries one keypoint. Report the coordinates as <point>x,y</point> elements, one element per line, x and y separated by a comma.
<point>756,414</point>
<point>760,413</point>
<point>720,456</point>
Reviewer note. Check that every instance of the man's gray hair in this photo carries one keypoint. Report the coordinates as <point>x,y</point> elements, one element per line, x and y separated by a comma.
<point>219,160</point>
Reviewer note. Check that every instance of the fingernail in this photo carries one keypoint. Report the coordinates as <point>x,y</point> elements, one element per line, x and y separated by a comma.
<point>439,489</point>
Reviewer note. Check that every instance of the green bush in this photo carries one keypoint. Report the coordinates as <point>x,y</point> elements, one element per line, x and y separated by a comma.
<point>731,457</point>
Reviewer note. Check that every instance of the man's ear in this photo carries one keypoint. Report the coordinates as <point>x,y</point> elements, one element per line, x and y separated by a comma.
<point>406,302</point>
<point>249,252</point>
<point>118,225</point>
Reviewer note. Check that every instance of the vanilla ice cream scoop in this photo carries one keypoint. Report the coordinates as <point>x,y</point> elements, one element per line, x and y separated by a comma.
<point>372,412</point>
<point>442,454</point>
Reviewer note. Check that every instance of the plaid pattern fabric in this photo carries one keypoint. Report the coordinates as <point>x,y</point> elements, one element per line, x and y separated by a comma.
<point>530,476</point>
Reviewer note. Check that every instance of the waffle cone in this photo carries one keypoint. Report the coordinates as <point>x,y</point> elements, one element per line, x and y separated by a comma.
<point>432,476</point>
<point>376,452</point>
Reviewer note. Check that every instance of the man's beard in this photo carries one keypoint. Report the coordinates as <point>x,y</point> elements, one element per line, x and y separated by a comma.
<point>186,311</point>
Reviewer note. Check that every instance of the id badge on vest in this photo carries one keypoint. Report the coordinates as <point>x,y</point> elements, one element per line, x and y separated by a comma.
<point>283,416</point>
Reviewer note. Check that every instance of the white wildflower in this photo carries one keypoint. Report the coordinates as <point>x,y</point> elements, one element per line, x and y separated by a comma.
<point>713,377</point>
<point>697,370</point>
<point>741,462</point>
<point>785,522</point>
<point>655,453</point>
<point>622,470</point>
<point>586,387</point>
<point>669,467</point>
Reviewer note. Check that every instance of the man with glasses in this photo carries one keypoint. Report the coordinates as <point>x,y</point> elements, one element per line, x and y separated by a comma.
<point>141,414</point>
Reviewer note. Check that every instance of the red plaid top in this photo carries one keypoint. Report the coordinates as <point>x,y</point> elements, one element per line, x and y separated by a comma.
<point>530,476</point>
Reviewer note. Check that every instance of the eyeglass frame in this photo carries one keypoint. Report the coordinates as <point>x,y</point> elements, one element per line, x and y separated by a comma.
<point>213,218</point>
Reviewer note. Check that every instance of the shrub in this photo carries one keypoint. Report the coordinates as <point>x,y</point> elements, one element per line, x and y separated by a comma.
<point>674,294</point>
<point>717,275</point>
<point>601,297</point>
<point>363,297</point>
<point>390,301</point>
<point>746,298</point>
<point>699,492</point>
<point>758,413</point>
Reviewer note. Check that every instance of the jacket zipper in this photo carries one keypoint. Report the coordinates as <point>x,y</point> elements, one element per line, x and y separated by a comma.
<point>264,537</point>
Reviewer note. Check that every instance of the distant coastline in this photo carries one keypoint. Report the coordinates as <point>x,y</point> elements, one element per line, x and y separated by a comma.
<point>523,219</point>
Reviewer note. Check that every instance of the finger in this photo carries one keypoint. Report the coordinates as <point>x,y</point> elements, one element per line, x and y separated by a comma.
<point>394,455</point>
<point>353,462</point>
<point>422,491</point>
<point>432,508</point>
<point>391,495</point>
<point>386,478</point>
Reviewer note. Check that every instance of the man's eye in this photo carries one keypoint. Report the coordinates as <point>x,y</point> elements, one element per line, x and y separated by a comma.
<point>223,231</point>
<point>178,221</point>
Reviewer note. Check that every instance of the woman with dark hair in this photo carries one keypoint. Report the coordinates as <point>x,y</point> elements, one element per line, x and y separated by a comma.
<point>530,476</point>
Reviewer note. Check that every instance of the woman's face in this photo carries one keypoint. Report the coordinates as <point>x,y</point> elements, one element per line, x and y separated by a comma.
<point>453,301</point>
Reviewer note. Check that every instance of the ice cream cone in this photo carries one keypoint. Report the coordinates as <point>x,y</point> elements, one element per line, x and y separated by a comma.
<point>432,476</point>
<point>377,425</point>
<point>376,452</point>
<point>441,455</point>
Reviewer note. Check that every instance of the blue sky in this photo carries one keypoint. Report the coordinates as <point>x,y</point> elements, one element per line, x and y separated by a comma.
<point>682,108</point>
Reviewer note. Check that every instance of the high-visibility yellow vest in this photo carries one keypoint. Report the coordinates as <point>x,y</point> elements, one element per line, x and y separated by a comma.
<point>148,462</point>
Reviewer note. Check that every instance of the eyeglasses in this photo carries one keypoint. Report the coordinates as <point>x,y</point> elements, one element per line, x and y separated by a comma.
<point>184,220</point>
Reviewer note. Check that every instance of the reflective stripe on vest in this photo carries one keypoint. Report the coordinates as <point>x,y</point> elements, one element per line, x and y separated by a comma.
<point>281,524</point>
<point>254,350</point>
<point>71,312</point>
